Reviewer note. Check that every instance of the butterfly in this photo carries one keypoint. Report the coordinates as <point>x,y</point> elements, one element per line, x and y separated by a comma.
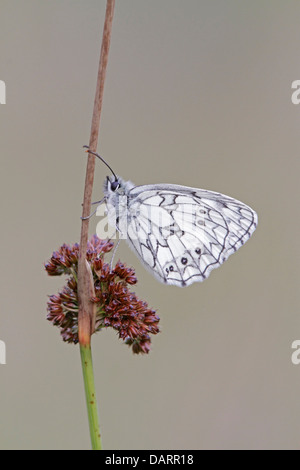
<point>179,233</point>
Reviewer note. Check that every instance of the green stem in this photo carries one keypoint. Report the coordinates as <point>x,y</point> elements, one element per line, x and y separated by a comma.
<point>90,393</point>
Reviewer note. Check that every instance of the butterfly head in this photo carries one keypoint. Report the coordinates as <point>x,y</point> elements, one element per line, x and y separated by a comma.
<point>112,184</point>
<point>114,187</point>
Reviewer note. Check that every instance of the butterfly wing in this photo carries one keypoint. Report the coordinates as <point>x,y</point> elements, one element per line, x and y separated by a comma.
<point>182,233</point>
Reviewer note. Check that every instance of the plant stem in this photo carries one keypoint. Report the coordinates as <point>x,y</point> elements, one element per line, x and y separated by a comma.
<point>86,314</point>
<point>90,393</point>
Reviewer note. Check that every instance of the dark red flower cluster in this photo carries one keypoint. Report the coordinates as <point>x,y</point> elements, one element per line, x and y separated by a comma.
<point>117,306</point>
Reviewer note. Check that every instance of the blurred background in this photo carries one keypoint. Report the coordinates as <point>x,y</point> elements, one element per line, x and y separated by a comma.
<point>197,93</point>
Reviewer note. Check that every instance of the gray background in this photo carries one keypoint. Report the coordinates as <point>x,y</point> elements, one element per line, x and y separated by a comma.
<point>197,93</point>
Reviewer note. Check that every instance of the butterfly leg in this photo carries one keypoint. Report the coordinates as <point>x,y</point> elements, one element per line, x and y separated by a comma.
<point>89,216</point>
<point>113,254</point>
<point>116,246</point>
<point>96,202</point>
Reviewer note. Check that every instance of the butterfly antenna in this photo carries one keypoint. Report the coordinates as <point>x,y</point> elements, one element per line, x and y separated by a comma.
<point>102,159</point>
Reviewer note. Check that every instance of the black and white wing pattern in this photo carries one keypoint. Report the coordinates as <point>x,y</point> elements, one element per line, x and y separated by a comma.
<point>182,233</point>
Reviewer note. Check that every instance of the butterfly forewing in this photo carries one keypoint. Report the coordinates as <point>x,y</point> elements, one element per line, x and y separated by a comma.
<point>180,233</point>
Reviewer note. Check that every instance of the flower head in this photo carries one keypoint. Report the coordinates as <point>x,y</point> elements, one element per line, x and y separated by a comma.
<point>117,306</point>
